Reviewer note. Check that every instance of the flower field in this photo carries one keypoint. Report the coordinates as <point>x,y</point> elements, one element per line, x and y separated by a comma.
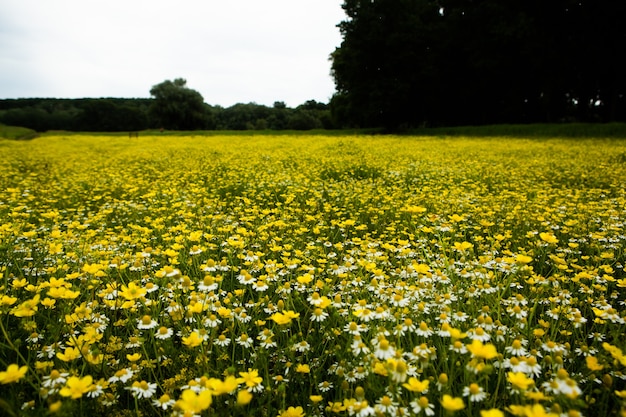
<point>312,275</point>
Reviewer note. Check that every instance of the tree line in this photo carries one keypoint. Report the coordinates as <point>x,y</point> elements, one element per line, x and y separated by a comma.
<point>409,63</point>
<point>173,106</point>
<point>459,62</point>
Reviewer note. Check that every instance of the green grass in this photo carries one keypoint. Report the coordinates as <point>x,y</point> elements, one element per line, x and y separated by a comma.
<point>555,130</point>
<point>563,130</point>
<point>15,132</point>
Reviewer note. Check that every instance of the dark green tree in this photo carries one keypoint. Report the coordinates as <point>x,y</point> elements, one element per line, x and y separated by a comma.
<point>244,116</point>
<point>106,115</point>
<point>383,63</point>
<point>178,107</point>
<point>444,62</point>
<point>278,118</point>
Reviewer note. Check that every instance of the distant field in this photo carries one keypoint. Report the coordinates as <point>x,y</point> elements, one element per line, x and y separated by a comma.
<point>282,275</point>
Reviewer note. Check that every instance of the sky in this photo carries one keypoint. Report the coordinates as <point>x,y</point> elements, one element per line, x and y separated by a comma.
<point>230,51</point>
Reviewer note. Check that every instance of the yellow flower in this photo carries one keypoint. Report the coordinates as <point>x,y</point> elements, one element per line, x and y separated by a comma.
<point>592,363</point>
<point>19,283</point>
<point>55,248</point>
<point>479,350</point>
<point>414,209</point>
<point>250,378</point>
<point>519,380</point>
<point>13,374</point>
<point>315,398</point>
<point>69,354</point>
<point>7,300</point>
<point>243,398</point>
<point>523,259</point>
<point>75,387</point>
<point>304,279</point>
<point>55,406</point>
<point>452,404</point>
<point>134,357</point>
<point>494,412</point>
<point>92,268</point>
<point>219,387</point>
<point>537,396</point>
<point>284,318</point>
<point>303,368</point>
<point>193,402</point>
<point>535,410</point>
<point>380,369</point>
<point>193,340</point>
<point>415,385</point>
<point>132,291</point>
<point>462,246</point>
<point>457,334</point>
<point>615,352</point>
<point>548,237</point>
<point>27,309</point>
<point>292,412</point>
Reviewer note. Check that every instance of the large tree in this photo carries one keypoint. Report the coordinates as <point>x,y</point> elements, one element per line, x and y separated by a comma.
<point>178,107</point>
<point>409,62</point>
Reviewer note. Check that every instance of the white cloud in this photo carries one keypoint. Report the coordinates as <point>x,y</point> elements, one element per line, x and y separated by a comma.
<point>230,51</point>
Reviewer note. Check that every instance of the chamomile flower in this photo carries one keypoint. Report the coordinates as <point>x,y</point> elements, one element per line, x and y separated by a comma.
<point>460,317</point>
<point>386,404</point>
<point>212,321</point>
<point>133,342</point>
<point>121,375</point>
<point>458,347</point>
<point>163,333</point>
<point>208,284</point>
<point>325,386</point>
<point>384,350</point>
<point>222,340</point>
<point>244,340</point>
<point>164,402</point>
<point>54,378</point>
<point>553,347</point>
<point>517,348</point>
<point>562,384</point>
<point>260,285</point>
<point>423,330</point>
<point>479,333</point>
<point>146,323</point>
<point>355,329</point>
<point>422,405</point>
<point>97,388</point>
<point>358,347</point>
<point>475,392</point>
<point>142,389</point>
<point>302,346</point>
<point>319,315</point>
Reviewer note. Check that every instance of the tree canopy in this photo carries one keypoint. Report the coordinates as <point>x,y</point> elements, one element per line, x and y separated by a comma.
<point>178,107</point>
<point>134,114</point>
<point>447,62</point>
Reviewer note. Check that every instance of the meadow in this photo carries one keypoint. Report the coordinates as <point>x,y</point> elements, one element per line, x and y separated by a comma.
<point>312,275</point>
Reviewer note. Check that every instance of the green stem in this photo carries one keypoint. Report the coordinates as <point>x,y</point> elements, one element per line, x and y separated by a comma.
<point>19,354</point>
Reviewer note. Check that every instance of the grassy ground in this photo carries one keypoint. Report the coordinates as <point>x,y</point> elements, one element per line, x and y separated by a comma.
<point>569,130</point>
<point>15,132</point>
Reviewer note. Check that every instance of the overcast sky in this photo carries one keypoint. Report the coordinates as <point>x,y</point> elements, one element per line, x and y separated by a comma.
<point>231,51</point>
